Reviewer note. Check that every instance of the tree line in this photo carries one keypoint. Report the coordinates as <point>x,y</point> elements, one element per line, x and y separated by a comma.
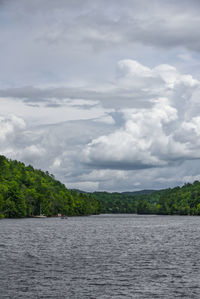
<point>183,200</point>
<point>26,192</point>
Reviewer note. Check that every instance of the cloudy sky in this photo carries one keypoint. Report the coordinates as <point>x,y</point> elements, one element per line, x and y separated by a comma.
<point>103,94</point>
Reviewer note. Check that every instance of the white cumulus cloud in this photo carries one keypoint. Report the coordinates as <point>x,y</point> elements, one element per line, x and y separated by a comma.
<point>166,133</point>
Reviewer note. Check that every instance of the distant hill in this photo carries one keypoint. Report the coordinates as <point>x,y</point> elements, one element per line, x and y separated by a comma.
<point>146,191</point>
<point>141,192</point>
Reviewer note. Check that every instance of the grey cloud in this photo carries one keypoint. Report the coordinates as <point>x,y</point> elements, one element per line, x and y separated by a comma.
<point>119,165</point>
<point>62,41</point>
<point>165,24</point>
<point>50,96</point>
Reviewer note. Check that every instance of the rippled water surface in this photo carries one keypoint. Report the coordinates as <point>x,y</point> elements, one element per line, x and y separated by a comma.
<point>105,256</point>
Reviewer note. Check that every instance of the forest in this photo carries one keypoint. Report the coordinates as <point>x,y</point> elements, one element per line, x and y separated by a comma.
<point>183,200</point>
<point>27,192</point>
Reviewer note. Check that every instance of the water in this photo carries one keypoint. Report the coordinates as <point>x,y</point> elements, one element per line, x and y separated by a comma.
<point>105,256</point>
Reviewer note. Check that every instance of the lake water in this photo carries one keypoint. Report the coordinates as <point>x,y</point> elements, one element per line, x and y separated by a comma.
<point>105,256</point>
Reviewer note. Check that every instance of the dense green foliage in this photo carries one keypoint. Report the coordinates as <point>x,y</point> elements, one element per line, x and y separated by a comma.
<point>180,200</point>
<point>140,203</point>
<point>25,192</point>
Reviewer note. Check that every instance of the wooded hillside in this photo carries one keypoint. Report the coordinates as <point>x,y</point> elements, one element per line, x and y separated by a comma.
<point>26,192</point>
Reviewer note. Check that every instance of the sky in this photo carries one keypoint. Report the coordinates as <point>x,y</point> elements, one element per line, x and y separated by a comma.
<point>105,95</point>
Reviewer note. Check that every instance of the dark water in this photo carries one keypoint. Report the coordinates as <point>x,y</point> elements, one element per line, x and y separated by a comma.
<point>102,256</point>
